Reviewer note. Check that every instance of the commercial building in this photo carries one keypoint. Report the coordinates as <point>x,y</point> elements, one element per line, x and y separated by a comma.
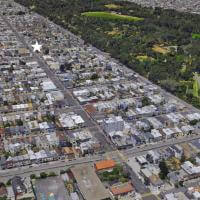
<point>50,188</point>
<point>89,184</point>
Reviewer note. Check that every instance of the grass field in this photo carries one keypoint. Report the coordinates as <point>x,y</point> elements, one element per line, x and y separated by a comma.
<point>159,49</point>
<point>144,58</point>
<point>183,69</point>
<point>113,6</point>
<point>196,84</point>
<point>111,16</point>
<point>114,33</point>
<point>195,88</point>
<point>196,35</point>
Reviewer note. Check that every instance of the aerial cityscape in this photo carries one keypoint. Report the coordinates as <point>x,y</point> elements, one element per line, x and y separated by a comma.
<point>99,100</point>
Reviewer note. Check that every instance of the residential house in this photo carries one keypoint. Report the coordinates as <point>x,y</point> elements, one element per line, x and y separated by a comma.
<point>104,165</point>
<point>69,152</point>
<point>176,196</point>
<point>187,129</point>
<point>122,189</point>
<point>153,157</point>
<point>152,179</point>
<point>155,135</point>
<point>155,123</point>
<point>113,124</point>
<point>141,160</point>
<point>193,192</point>
<point>168,133</point>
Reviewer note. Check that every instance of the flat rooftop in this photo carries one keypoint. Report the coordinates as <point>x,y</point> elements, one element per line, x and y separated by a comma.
<point>50,188</point>
<point>89,184</point>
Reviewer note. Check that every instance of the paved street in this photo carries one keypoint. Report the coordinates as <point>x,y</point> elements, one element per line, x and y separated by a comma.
<point>60,164</point>
<point>27,171</point>
<point>138,151</point>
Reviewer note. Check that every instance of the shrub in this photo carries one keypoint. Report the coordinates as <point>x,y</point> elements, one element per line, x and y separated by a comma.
<point>52,174</point>
<point>43,175</point>
<point>33,176</point>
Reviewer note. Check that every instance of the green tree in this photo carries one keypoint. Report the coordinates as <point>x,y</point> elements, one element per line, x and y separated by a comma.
<point>8,182</point>
<point>94,76</point>
<point>3,198</point>
<point>43,175</point>
<point>111,178</point>
<point>183,158</point>
<point>145,101</point>
<point>193,122</point>
<point>7,125</point>
<point>106,173</point>
<point>52,174</point>
<point>192,160</point>
<point>33,176</point>
<point>62,171</point>
<point>163,169</point>
<point>123,180</point>
<point>7,154</point>
<point>181,183</point>
<point>19,122</point>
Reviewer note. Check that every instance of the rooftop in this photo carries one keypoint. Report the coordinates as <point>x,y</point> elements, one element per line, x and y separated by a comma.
<point>122,189</point>
<point>89,184</point>
<point>105,164</point>
<point>52,188</point>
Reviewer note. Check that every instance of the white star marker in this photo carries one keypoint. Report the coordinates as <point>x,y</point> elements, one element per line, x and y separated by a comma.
<point>36,47</point>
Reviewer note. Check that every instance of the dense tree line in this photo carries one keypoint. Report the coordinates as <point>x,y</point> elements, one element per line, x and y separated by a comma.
<point>160,27</point>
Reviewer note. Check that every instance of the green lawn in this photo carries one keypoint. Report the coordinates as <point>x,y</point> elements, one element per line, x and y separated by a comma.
<point>111,16</point>
<point>196,35</point>
<point>196,85</point>
<point>116,174</point>
<point>195,88</point>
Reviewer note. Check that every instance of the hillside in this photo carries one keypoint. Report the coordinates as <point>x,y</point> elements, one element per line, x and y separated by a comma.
<point>162,45</point>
